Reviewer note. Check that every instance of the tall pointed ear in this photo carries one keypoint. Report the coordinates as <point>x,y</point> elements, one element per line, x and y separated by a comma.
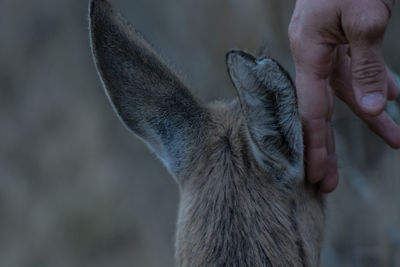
<point>147,96</point>
<point>269,105</point>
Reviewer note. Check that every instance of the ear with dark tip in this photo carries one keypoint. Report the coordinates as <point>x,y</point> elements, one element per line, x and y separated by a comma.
<point>147,96</point>
<point>269,105</point>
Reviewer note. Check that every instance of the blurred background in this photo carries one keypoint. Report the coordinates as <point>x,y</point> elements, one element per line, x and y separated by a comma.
<point>77,189</point>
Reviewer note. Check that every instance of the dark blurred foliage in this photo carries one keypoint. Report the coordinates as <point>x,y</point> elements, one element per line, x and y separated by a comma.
<point>77,189</point>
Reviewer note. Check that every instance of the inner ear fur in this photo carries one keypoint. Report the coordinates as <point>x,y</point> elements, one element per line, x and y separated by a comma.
<point>147,96</point>
<point>269,105</point>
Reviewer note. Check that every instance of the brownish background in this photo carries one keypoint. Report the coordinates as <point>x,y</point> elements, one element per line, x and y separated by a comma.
<point>76,189</point>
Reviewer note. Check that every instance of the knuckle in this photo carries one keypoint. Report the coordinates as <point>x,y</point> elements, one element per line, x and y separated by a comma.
<point>374,29</point>
<point>371,29</point>
<point>291,31</point>
<point>295,39</point>
<point>389,4</point>
<point>368,72</point>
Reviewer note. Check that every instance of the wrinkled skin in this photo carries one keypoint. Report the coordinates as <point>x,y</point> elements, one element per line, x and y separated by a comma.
<point>337,49</point>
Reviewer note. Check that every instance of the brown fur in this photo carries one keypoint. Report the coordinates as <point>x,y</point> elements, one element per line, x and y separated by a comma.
<point>239,165</point>
<point>233,213</point>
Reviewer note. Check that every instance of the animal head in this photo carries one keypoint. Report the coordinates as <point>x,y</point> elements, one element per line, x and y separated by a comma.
<point>239,165</point>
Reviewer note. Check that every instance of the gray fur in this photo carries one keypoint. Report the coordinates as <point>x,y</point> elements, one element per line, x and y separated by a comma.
<point>149,99</point>
<point>239,165</point>
<point>269,106</point>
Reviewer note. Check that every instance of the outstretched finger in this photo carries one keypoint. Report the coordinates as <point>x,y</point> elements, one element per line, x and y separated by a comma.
<point>393,85</point>
<point>384,126</point>
<point>313,61</point>
<point>331,179</point>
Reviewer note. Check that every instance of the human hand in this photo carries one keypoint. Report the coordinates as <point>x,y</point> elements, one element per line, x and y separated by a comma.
<point>337,49</point>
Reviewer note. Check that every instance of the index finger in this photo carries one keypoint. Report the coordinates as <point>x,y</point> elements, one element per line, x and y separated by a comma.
<point>314,107</point>
<point>313,63</point>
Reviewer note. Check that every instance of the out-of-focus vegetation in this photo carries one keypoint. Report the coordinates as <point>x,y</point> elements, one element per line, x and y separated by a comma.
<point>77,189</point>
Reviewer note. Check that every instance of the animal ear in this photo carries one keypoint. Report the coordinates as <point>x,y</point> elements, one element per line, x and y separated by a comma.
<point>147,96</point>
<point>269,105</point>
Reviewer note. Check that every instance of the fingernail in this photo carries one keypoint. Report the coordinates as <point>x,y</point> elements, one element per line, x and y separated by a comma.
<point>372,101</point>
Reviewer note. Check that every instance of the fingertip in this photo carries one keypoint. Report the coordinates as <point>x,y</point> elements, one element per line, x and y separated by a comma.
<point>384,126</point>
<point>393,138</point>
<point>329,184</point>
<point>393,88</point>
<point>331,180</point>
<point>317,160</point>
<point>395,145</point>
